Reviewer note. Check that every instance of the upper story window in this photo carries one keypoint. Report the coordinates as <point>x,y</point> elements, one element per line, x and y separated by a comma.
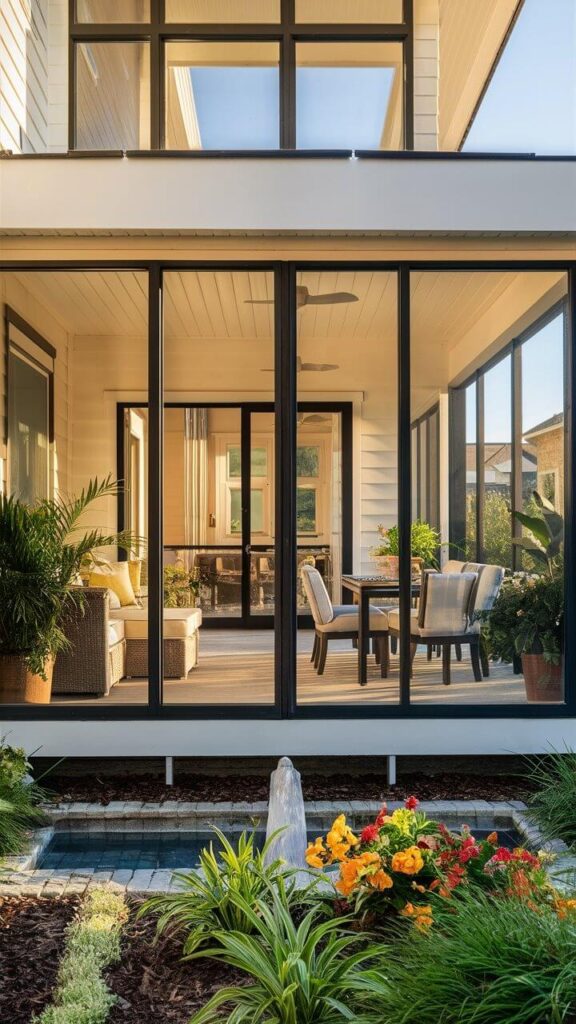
<point>231,75</point>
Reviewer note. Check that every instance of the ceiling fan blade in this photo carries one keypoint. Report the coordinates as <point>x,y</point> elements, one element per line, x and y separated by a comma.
<point>330,298</point>
<point>320,367</point>
<point>314,417</point>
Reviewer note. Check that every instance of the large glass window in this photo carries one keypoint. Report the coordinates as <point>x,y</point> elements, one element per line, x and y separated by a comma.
<point>347,11</point>
<point>219,488</point>
<point>346,538</point>
<point>68,429</point>
<point>222,95</point>
<point>112,95</point>
<point>111,11</point>
<point>225,11</point>
<point>507,456</point>
<point>349,95</point>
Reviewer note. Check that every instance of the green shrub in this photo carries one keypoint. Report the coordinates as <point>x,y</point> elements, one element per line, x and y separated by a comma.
<point>206,904</point>
<point>19,810</point>
<point>485,961</point>
<point>553,806</point>
<point>82,996</point>
<point>312,973</point>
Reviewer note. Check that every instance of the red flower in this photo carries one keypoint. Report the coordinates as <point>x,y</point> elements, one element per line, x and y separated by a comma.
<point>502,856</point>
<point>369,834</point>
<point>382,813</point>
<point>455,876</point>
<point>411,803</point>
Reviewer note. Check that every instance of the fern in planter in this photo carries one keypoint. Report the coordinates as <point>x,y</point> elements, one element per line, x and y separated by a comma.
<point>41,551</point>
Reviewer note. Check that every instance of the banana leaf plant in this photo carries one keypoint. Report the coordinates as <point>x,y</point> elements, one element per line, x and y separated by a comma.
<point>42,547</point>
<point>545,534</point>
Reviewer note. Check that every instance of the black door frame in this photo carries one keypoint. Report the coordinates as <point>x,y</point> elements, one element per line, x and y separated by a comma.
<point>246,619</point>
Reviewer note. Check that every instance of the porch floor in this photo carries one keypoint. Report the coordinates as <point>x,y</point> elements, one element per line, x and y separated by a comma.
<point>237,667</point>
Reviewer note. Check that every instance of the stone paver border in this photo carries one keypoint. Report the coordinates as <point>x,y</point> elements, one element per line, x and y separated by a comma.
<point>22,876</point>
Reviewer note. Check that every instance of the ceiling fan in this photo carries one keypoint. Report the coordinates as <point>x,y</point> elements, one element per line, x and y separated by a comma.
<point>313,417</point>
<point>313,367</point>
<point>304,298</point>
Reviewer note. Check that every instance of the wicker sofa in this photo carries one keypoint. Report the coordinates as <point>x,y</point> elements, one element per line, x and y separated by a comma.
<point>96,658</point>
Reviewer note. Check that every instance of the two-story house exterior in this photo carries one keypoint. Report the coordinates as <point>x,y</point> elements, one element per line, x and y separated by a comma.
<point>253,265</point>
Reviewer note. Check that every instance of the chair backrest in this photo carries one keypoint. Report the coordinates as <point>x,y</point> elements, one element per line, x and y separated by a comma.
<point>489,582</point>
<point>317,595</point>
<point>445,603</point>
<point>453,565</point>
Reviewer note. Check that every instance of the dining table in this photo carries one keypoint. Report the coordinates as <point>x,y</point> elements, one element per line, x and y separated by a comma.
<point>365,588</point>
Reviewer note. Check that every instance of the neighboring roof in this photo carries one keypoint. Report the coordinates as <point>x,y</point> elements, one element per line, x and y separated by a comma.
<point>557,420</point>
<point>498,456</point>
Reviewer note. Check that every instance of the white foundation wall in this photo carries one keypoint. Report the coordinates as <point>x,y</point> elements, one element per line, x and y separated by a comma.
<point>23,302</point>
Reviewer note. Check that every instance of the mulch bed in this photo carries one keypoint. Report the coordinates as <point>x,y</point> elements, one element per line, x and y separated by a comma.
<point>152,982</point>
<point>145,787</point>
<point>32,940</point>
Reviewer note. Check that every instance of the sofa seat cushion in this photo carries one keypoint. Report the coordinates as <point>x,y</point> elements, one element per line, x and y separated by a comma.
<point>348,623</point>
<point>179,623</point>
<point>115,631</point>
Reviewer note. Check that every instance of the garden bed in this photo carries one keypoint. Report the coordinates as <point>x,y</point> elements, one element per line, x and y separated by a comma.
<point>342,786</point>
<point>32,939</point>
<point>153,983</point>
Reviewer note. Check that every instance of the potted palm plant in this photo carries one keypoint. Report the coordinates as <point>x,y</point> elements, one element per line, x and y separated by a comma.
<point>527,619</point>
<point>41,551</point>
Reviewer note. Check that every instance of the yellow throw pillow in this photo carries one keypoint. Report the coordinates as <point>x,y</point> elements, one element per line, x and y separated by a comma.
<point>135,573</point>
<point>116,577</point>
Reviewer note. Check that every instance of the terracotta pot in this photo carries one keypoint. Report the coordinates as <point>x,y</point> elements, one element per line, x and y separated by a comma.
<point>388,566</point>
<point>543,681</point>
<point>20,686</point>
<point>417,566</point>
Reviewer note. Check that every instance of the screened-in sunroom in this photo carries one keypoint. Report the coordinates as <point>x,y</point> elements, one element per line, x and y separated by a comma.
<point>319,466</point>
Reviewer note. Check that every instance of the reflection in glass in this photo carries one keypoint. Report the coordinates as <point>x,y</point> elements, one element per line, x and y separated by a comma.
<point>199,11</point>
<point>28,428</point>
<point>349,95</point>
<point>222,95</point>
<point>112,96</point>
<point>348,11</point>
<point>111,11</point>
<point>497,524</point>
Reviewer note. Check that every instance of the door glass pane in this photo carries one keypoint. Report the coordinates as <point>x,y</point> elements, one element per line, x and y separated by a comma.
<point>28,429</point>
<point>498,464</point>
<point>218,341</point>
<point>349,11</point>
<point>112,96</point>
<point>110,11</point>
<point>347,343</point>
<point>218,11</point>
<point>349,95</point>
<point>222,95</point>
<point>471,474</point>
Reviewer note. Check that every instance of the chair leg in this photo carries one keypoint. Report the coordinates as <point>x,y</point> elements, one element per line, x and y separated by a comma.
<point>438,650</point>
<point>446,664</point>
<point>384,657</point>
<point>458,649</point>
<point>394,644</point>
<point>413,649</point>
<point>429,652</point>
<point>314,648</point>
<point>475,659</point>
<point>377,648</point>
<point>484,663</point>
<point>322,654</point>
<point>318,647</point>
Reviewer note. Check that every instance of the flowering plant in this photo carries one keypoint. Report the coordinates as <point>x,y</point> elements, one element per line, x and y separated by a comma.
<point>403,861</point>
<point>527,617</point>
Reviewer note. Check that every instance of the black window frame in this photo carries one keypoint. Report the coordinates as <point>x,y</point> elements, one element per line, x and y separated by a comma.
<point>424,509</point>
<point>287,33</point>
<point>458,444</point>
<point>285,706</point>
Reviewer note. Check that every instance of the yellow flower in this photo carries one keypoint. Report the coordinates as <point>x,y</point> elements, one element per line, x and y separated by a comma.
<point>565,907</point>
<point>340,838</point>
<point>408,862</point>
<point>316,854</point>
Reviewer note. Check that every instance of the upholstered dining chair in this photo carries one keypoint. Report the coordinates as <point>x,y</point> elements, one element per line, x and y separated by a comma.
<point>339,622</point>
<point>443,618</point>
<point>490,579</point>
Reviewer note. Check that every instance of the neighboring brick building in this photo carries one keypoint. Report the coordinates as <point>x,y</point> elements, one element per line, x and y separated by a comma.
<point>547,439</point>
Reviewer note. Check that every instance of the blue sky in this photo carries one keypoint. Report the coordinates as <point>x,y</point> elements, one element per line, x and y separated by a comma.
<point>530,105</point>
<point>542,388</point>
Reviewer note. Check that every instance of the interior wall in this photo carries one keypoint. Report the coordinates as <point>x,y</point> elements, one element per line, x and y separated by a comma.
<point>23,302</point>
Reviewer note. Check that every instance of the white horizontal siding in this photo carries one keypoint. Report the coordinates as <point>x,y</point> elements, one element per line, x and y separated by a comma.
<point>24,75</point>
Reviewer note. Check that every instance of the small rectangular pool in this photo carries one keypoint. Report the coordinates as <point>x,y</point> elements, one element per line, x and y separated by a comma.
<point>112,851</point>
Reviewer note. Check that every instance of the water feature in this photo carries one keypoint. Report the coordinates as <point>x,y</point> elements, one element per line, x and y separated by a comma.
<point>286,812</point>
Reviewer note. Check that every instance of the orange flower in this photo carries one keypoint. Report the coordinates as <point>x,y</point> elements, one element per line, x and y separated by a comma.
<point>380,880</point>
<point>340,838</point>
<point>565,907</point>
<point>408,862</point>
<point>492,839</point>
<point>421,916</point>
<point>352,871</point>
<point>316,854</point>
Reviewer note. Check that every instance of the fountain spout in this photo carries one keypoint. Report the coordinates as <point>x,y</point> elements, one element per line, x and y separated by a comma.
<point>286,810</point>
